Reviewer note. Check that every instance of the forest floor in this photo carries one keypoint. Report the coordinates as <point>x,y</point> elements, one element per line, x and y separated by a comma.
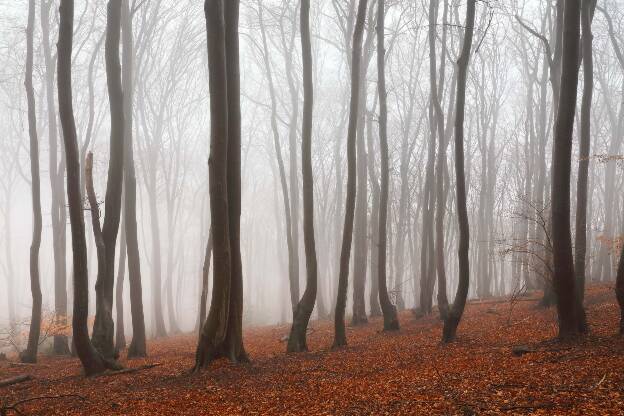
<point>408,372</point>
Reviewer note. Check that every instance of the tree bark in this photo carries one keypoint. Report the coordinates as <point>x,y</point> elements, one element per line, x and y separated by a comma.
<point>297,340</point>
<point>120,333</point>
<point>30,354</point>
<point>570,312</point>
<point>58,210</point>
<point>389,311</point>
<point>137,346</point>
<point>375,308</point>
<point>221,335</point>
<point>90,359</point>
<point>580,243</point>
<point>293,263</point>
<point>453,318</point>
<point>440,162</point>
<point>340,338</point>
<point>205,281</point>
<point>619,289</point>
<point>103,327</point>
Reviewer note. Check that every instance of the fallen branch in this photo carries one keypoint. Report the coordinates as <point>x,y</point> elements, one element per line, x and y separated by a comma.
<point>129,370</point>
<point>16,364</point>
<point>15,380</point>
<point>527,406</point>
<point>4,410</point>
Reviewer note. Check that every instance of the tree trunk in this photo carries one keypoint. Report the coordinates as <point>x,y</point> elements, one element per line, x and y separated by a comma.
<point>375,308</point>
<point>451,322</point>
<point>580,246</point>
<point>221,335</point>
<point>30,354</point>
<point>103,327</point>
<point>293,263</point>
<point>619,289</point>
<point>58,210</point>
<point>205,281</point>
<point>440,163</point>
<point>340,338</point>
<point>138,346</point>
<point>234,339</point>
<point>297,340</point>
<point>570,311</point>
<point>120,333</point>
<point>90,359</point>
<point>389,311</point>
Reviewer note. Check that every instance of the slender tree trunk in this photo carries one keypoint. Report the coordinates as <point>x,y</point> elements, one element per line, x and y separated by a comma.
<point>451,322</point>
<point>30,354</point>
<point>103,327</point>
<point>58,210</point>
<point>375,308</point>
<point>293,273</point>
<point>120,332</point>
<point>440,163</point>
<point>340,337</point>
<point>570,311</point>
<point>161,331</point>
<point>90,359</point>
<point>301,318</point>
<point>205,281</point>
<point>389,311</point>
<point>360,249</point>
<point>619,289</point>
<point>580,246</point>
<point>137,346</point>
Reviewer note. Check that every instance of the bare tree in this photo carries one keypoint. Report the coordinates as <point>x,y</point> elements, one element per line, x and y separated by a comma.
<point>457,309</point>
<point>303,311</point>
<point>389,311</point>
<point>340,337</point>
<point>91,360</point>
<point>30,354</point>
<point>103,327</point>
<point>57,170</point>
<point>138,344</point>
<point>569,309</point>
<point>580,238</point>
<point>221,334</point>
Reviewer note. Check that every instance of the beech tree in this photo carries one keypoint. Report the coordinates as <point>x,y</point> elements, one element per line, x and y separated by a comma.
<point>221,334</point>
<point>303,311</point>
<point>30,354</point>
<point>457,309</point>
<point>103,327</point>
<point>569,308</point>
<point>92,362</point>
<point>389,311</point>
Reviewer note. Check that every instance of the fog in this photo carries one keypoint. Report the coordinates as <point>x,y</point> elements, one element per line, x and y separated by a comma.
<point>509,125</point>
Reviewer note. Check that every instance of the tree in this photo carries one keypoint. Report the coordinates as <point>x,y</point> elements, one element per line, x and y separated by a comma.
<point>580,242</point>
<point>91,361</point>
<point>340,338</point>
<point>440,168</point>
<point>221,335</point>
<point>291,246</point>
<point>205,281</point>
<point>103,327</point>
<point>455,312</point>
<point>30,354</point>
<point>303,311</point>
<point>569,309</point>
<point>58,209</point>
<point>389,311</point>
<point>138,346</point>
